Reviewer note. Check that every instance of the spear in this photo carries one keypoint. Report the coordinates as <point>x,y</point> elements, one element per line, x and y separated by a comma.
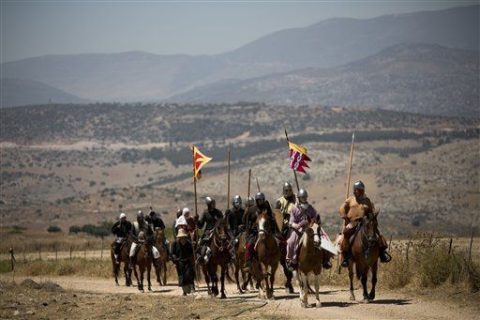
<point>258,185</point>
<point>350,165</point>
<point>228,181</point>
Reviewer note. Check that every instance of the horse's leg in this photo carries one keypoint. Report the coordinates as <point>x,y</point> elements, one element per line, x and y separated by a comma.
<point>364,285</point>
<point>116,269</point>
<point>371,296</point>
<point>207,279</point>
<point>149,269</point>
<point>302,281</point>
<point>237,276</point>
<point>164,268</point>
<point>317,289</point>
<point>141,269</point>
<point>222,281</point>
<point>157,266</point>
<point>350,276</point>
<point>288,276</point>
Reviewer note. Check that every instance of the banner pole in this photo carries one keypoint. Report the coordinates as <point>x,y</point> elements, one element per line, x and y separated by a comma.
<point>194,180</point>
<point>228,181</point>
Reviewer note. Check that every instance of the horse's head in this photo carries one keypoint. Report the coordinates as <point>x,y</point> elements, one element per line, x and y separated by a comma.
<point>263,222</point>
<point>369,226</point>
<point>313,231</point>
<point>220,235</point>
<point>159,233</point>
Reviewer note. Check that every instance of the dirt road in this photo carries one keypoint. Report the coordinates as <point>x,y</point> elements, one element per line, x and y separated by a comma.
<point>335,301</point>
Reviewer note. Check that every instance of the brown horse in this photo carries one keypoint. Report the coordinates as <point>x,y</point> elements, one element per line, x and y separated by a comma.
<point>122,258</point>
<point>220,245</point>
<point>161,263</point>
<point>310,260</point>
<point>240,251</point>
<point>268,257</point>
<point>144,260</point>
<point>365,251</point>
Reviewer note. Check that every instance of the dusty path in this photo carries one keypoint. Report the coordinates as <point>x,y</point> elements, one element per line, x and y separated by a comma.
<point>335,301</point>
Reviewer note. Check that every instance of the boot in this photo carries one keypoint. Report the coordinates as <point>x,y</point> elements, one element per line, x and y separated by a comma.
<point>385,257</point>
<point>327,264</point>
<point>131,262</point>
<point>116,258</point>
<point>346,259</point>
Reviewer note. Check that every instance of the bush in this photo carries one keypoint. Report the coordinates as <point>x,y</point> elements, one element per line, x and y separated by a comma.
<point>75,229</point>
<point>53,229</point>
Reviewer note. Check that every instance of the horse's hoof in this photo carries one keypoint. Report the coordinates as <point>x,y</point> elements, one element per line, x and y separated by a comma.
<point>223,296</point>
<point>304,305</point>
<point>352,298</point>
<point>319,304</point>
<point>149,289</point>
<point>371,297</point>
<point>365,300</point>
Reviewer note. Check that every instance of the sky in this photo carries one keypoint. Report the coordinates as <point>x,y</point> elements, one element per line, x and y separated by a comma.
<point>36,27</point>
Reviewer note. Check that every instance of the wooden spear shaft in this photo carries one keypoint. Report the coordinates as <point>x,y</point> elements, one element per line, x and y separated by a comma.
<point>194,180</point>
<point>350,165</point>
<point>228,180</point>
<point>249,179</point>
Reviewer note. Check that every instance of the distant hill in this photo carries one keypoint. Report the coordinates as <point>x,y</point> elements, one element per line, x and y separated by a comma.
<point>16,92</point>
<point>420,78</point>
<point>139,76</point>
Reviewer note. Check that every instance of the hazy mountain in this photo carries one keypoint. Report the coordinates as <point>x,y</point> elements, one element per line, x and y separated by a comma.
<point>417,78</point>
<point>139,76</point>
<point>16,92</point>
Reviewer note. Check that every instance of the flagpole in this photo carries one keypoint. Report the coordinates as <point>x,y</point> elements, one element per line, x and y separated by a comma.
<point>194,180</point>
<point>249,178</point>
<point>294,172</point>
<point>228,181</point>
<point>350,165</point>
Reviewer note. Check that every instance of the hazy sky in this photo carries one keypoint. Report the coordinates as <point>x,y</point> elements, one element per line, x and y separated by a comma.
<point>35,28</point>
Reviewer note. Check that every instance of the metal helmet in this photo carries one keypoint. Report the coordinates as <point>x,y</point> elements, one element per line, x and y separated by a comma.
<point>359,185</point>
<point>209,200</point>
<point>302,195</point>
<point>237,201</point>
<point>122,216</point>
<point>250,201</point>
<point>287,189</point>
<point>140,215</point>
<point>185,211</point>
<point>259,196</point>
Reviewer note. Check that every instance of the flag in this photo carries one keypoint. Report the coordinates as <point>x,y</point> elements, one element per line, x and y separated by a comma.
<point>298,157</point>
<point>199,160</point>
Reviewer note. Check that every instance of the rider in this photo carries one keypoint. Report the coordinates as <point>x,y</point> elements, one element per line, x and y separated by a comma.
<point>185,221</point>
<point>143,232</point>
<point>209,219</point>
<point>285,204</point>
<point>235,216</point>
<point>121,229</point>
<point>250,222</point>
<point>352,211</point>
<point>301,215</point>
<point>156,222</point>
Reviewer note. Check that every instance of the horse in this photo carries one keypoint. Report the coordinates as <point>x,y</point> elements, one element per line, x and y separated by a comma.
<point>365,252</point>
<point>310,260</point>
<point>268,257</point>
<point>282,238</point>
<point>240,251</point>
<point>220,246</point>
<point>122,257</point>
<point>144,261</point>
<point>161,263</point>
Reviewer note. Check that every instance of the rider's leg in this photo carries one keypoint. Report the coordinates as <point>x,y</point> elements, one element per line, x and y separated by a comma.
<point>131,255</point>
<point>382,243</point>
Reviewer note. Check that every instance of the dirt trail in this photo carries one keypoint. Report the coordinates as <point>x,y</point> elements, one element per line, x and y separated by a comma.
<point>335,301</point>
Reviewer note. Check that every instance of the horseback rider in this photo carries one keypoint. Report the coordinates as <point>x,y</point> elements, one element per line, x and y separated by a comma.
<point>209,219</point>
<point>235,216</point>
<point>143,232</point>
<point>156,222</point>
<point>352,211</point>
<point>185,222</point>
<point>302,214</point>
<point>121,229</point>
<point>174,227</point>
<point>250,222</point>
<point>285,204</point>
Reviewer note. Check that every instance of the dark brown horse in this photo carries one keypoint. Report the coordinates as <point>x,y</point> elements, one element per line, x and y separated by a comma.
<point>268,257</point>
<point>144,260</point>
<point>220,246</point>
<point>240,251</point>
<point>161,263</point>
<point>365,252</point>
<point>122,258</point>
<point>310,260</point>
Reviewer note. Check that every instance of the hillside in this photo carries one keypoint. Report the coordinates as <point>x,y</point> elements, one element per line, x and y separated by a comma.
<point>140,76</point>
<point>427,79</point>
<point>17,92</point>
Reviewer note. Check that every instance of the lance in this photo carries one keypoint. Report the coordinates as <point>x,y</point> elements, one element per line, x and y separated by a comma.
<point>249,178</point>
<point>294,172</point>
<point>258,185</point>
<point>350,165</point>
<point>228,180</point>
<point>194,180</point>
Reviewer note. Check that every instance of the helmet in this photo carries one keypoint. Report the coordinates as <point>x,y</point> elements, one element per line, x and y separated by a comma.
<point>209,201</point>
<point>237,201</point>
<point>140,214</point>
<point>358,185</point>
<point>259,196</point>
<point>122,216</point>
<point>302,195</point>
<point>287,189</point>
<point>185,211</point>
<point>250,201</point>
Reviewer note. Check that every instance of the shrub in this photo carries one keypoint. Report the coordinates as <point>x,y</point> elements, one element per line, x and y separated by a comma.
<point>53,229</point>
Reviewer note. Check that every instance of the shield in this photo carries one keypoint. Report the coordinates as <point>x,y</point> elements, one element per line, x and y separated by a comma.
<point>278,215</point>
<point>327,244</point>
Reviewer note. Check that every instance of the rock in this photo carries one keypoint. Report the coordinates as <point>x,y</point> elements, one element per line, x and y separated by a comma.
<point>16,313</point>
<point>45,304</point>
<point>127,298</point>
<point>29,283</point>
